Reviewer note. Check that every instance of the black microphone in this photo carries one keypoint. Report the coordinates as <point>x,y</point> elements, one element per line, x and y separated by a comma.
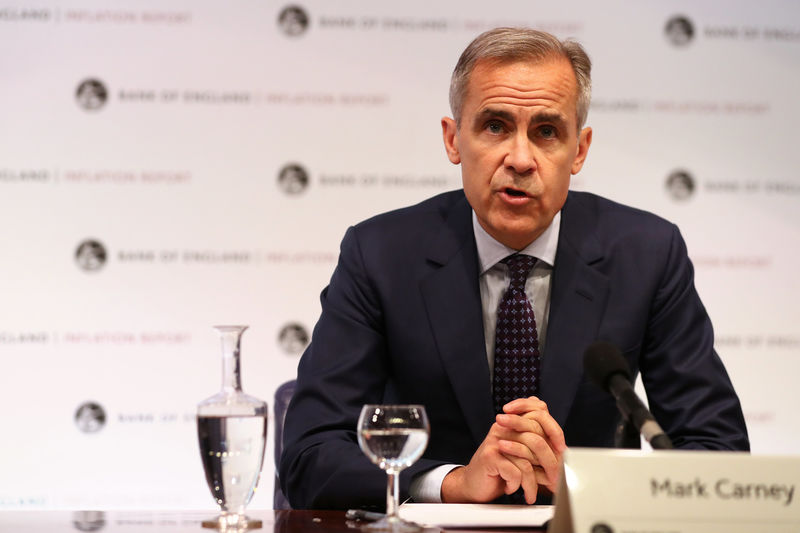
<point>604,364</point>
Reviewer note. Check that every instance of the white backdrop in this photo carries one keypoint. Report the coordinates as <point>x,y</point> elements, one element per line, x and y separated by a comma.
<point>195,107</point>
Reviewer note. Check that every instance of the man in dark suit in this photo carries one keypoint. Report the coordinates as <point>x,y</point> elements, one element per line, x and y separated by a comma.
<point>411,310</point>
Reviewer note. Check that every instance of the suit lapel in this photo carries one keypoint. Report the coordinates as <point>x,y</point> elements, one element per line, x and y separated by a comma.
<point>577,301</point>
<point>452,300</point>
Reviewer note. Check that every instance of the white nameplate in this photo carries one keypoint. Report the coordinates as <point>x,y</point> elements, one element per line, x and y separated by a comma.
<point>624,491</point>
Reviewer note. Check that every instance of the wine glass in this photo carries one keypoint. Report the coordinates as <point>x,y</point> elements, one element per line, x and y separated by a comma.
<point>393,437</point>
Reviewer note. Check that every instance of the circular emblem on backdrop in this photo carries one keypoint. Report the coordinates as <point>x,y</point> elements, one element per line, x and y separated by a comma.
<point>293,179</point>
<point>293,20</point>
<point>89,520</point>
<point>679,30</point>
<point>90,417</point>
<point>91,255</point>
<point>601,528</point>
<point>91,94</point>
<point>293,338</point>
<point>680,185</point>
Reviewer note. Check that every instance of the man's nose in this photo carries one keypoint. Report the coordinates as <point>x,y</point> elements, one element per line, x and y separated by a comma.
<point>520,157</point>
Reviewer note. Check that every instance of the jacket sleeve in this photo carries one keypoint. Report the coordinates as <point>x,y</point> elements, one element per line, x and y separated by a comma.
<point>345,366</point>
<point>688,388</point>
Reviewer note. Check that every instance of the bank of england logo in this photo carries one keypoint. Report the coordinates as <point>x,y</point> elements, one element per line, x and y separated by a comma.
<point>679,30</point>
<point>680,185</point>
<point>293,179</point>
<point>89,520</point>
<point>293,20</point>
<point>90,417</point>
<point>91,255</point>
<point>91,94</point>
<point>293,338</point>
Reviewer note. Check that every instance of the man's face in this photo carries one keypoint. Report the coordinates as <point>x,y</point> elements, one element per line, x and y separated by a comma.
<point>518,145</point>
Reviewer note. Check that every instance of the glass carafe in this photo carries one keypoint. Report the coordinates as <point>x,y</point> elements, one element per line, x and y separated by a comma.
<point>232,432</point>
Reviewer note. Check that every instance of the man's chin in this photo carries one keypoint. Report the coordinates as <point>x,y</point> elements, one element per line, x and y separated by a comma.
<point>516,235</point>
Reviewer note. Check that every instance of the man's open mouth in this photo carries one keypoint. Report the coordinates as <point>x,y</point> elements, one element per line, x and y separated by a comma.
<point>515,192</point>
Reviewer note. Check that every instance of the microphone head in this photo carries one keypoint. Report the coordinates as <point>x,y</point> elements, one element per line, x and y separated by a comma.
<point>601,360</point>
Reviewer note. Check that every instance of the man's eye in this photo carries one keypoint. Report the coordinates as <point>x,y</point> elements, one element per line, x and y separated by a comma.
<point>548,132</point>
<point>494,127</point>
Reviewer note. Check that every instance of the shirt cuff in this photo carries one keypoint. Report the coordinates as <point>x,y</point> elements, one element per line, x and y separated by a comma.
<point>427,486</point>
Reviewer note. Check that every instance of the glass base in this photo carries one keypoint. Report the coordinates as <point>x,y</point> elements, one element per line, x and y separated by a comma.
<point>393,524</point>
<point>232,522</point>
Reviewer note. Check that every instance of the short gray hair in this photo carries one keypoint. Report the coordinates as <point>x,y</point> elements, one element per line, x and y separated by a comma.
<point>509,45</point>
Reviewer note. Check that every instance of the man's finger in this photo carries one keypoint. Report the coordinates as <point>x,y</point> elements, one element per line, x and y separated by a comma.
<point>512,448</point>
<point>539,422</point>
<point>523,405</point>
<point>532,447</point>
<point>527,478</point>
<point>509,473</point>
<point>546,458</point>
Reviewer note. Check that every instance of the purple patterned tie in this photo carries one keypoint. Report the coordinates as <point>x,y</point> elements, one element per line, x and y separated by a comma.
<point>516,345</point>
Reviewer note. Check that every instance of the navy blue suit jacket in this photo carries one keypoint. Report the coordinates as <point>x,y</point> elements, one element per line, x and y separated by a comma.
<point>401,322</point>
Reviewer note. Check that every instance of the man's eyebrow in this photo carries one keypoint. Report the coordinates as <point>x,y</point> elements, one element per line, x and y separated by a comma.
<point>546,116</point>
<point>539,118</point>
<point>491,112</point>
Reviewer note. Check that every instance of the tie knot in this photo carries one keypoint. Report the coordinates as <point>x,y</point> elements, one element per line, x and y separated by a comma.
<point>519,266</point>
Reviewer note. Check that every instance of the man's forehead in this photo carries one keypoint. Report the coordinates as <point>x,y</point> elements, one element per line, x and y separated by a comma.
<point>549,79</point>
<point>557,70</point>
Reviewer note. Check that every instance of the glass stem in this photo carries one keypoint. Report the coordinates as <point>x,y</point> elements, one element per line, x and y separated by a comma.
<point>392,493</point>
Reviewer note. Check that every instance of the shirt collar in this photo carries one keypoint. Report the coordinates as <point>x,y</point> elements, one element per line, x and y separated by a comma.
<point>490,251</point>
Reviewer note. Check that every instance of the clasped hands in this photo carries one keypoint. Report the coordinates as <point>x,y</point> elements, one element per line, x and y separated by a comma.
<point>522,449</point>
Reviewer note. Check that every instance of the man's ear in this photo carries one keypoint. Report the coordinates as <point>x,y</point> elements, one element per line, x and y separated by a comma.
<point>449,131</point>
<point>584,141</point>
